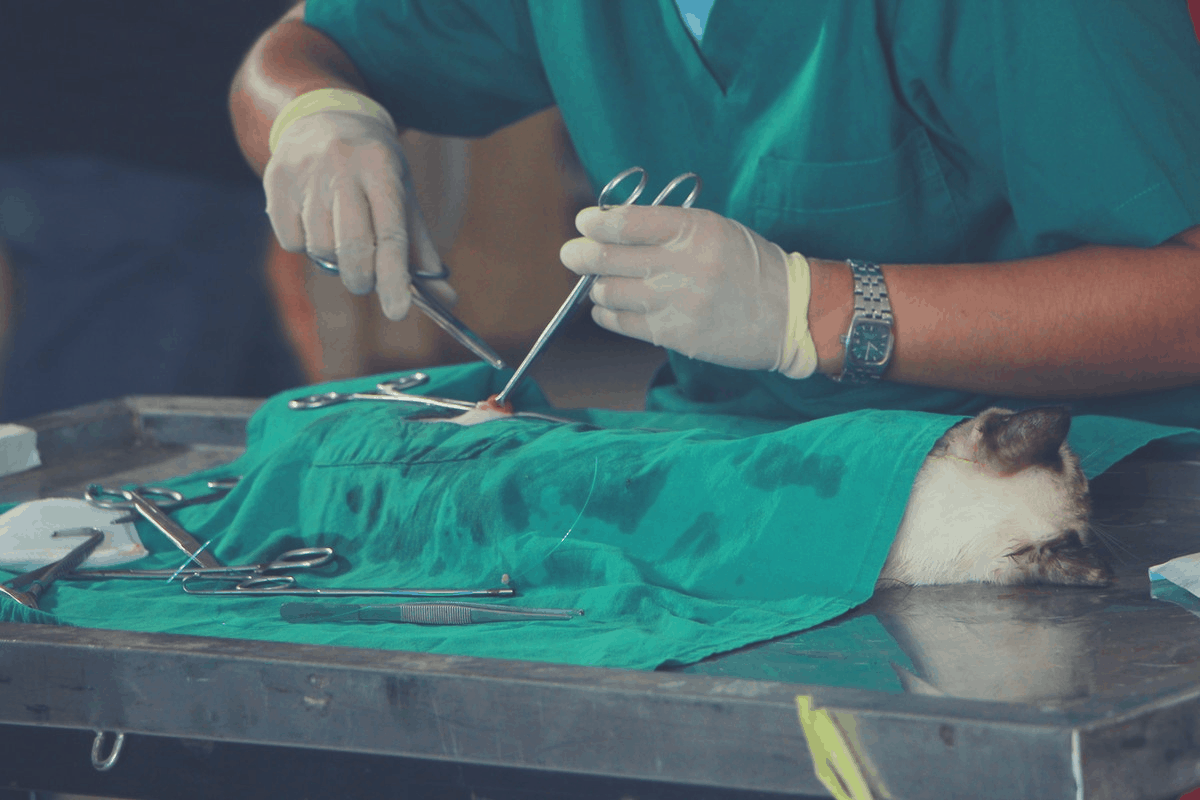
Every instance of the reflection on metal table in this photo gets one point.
(967, 691)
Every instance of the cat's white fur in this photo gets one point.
(962, 519)
(1000, 499)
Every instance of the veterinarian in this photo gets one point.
(1019, 178)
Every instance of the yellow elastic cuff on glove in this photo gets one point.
(326, 100)
(799, 358)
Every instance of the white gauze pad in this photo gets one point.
(27, 540)
(18, 448)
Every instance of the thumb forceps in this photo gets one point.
(585, 283)
(285, 585)
(433, 308)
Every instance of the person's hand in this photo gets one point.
(338, 188)
(698, 283)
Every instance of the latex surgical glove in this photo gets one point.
(338, 187)
(698, 283)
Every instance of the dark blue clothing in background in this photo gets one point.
(134, 282)
(143, 82)
(134, 228)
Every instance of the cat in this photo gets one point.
(1000, 498)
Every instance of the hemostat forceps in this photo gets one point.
(139, 500)
(220, 487)
(285, 585)
(388, 391)
(433, 308)
(585, 283)
(39, 580)
(300, 558)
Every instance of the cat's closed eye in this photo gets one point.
(1000, 499)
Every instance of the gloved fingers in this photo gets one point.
(430, 262)
(319, 238)
(393, 245)
(628, 294)
(588, 257)
(354, 237)
(282, 210)
(626, 323)
(661, 225)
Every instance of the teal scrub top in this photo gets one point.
(915, 132)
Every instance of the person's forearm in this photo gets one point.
(291, 58)
(1091, 321)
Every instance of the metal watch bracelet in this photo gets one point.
(869, 341)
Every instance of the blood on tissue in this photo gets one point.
(491, 405)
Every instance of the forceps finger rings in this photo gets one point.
(584, 285)
(387, 390)
(100, 497)
(392, 391)
(220, 487)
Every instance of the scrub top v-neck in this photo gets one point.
(918, 132)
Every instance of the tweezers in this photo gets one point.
(285, 585)
(421, 613)
(437, 312)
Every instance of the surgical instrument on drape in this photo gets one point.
(299, 558)
(285, 585)
(390, 391)
(421, 613)
(139, 500)
(220, 487)
(426, 302)
(52, 572)
(585, 283)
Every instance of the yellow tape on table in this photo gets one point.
(834, 758)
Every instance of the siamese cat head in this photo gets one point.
(1001, 498)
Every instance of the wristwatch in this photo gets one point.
(869, 342)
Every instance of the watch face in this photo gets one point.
(870, 342)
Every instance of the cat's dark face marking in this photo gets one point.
(1012, 442)
(1000, 499)
(1065, 560)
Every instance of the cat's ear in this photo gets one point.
(1033, 437)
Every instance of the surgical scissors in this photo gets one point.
(300, 558)
(433, 308)
(285, 585)
(585, 283)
